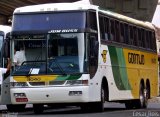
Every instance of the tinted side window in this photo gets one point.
(117, 31)
(135, 34)
(140, 38)
(112, 27)
(122, 32)
(153, 40)
(92, 20)
(106, 28)
(101, 25)
(126, 34)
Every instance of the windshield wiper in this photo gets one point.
(29, 73)
(57, 64)
(32, 66)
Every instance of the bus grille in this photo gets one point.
(51, 83)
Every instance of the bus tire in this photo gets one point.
(95, 106)
(141, 102)
(85, 107)
(99, 106)
(38, 108)
(16, 108)
(129, 104)
(146, 95)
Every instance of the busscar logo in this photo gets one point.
(104, 56)
(63, 31)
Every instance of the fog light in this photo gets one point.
(75, 93)
(20, 97)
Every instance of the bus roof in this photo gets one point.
(5, 29)
(56, 7)
(80, 5)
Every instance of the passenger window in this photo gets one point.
(126, 34)
(121, 33)
(112, 26)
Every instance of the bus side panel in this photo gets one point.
(129, 67)
(141, 65)
(113, 67)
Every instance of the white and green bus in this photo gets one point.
(4, 54)
(82, 55)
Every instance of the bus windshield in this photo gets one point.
(50, 54)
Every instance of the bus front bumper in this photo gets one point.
(47, 95)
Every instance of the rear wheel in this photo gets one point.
(142, 102)
(143, 99)
(147, 96)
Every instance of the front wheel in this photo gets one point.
(38, 108)
(99, 106)
(16, 108)
(95, 106)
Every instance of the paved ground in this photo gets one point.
(111, 110)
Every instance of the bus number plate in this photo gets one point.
(33, 79)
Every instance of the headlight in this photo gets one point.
(19, 84)
(77, 82)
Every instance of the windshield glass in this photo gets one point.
(29, 54)
(52, 54)
(49, 21)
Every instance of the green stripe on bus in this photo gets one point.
(119, 68)
(68, 77)
(122, 68)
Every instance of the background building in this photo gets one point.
(138, 9)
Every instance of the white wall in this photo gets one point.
(156, 22)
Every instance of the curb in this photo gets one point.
(155, 100)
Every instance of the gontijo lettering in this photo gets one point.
(134, 58)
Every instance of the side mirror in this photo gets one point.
(6, 52)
